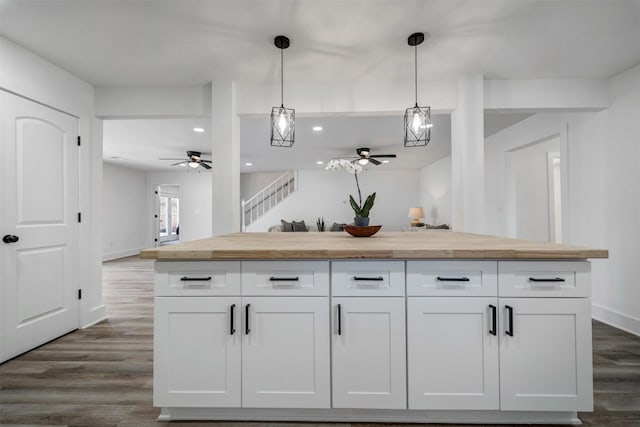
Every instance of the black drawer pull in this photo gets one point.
(246, 319)
(284, 279)
(494, 319)
(509, 330)
(554, 279)
(232, 326)
(452, 279)
(339, 320)
(195, 279)
(369, 279)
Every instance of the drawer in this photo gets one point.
(295, 278)
(197, 278)
(452, 278)
(367, 278)
(564, 279)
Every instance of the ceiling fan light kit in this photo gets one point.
(417, 120)
(283, 119)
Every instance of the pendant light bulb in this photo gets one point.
(284, 123)
(416, 123)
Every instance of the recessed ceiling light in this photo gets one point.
(385, 161)
(319, 162)
(248, 164)
(199, 130)
(317, 128)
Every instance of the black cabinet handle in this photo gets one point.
(284, 279)
(246, 319)
(339, 320)
(554, 279)
(9, 238)
(373, 279)
(232, 326)
(452, 279)
(195, 279)
(509, 330)
(494, 319)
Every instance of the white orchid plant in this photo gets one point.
(361, 209)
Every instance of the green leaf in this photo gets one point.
(354, 205)
(368, 204)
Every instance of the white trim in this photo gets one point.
(121, 254)
(99, 313)
(369, 415)
(616, 319)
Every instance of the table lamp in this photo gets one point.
(415, 214)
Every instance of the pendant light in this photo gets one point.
(417, 120)
(283, 120)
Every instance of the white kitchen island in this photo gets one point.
(397, 327)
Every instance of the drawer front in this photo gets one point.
(565, 279)
(452, 278)
(197, 278)
(367, 278)
(295, 278)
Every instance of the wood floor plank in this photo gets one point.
(102, 375)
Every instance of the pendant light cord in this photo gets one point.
(282, 78)
(415, 62)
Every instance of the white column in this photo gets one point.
(467, 156)
(225, 154)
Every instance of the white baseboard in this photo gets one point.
(120, 254)
(616, 319)
(93, 316)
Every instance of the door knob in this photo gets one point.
(10, 239)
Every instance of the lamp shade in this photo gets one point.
(416, 213)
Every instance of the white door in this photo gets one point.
(39, 208)
(285, 352)
(369, 353)
(197, 352)
(545, 354)
(452, 347)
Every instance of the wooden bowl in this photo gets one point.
(362, 230)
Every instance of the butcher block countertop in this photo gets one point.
(383, 245)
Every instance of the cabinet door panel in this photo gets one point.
(369, 356)
(546, 364)
(196, 358)
(285, 355)
(453, 358)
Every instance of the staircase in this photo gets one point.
(268, 198)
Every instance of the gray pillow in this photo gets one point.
(337, 227)
(286, 226)
(299, 226)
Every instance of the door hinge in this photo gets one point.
(78, 140)
(79, 217)
(79, 293)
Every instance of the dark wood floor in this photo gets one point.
(102, 375)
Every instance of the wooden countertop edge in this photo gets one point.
(255, 254)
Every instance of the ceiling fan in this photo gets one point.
(365, 156)
(194, 160)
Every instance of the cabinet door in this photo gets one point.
(369, 353)
(545, 360)
(285, 352)
(197, 352)
(452, 353)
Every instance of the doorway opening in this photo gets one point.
(168, 214)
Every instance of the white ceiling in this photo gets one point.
(180, 42)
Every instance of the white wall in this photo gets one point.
(195, 203)
(30, 76)
(124, 202)
(435, 192)
(603, 199)
(251, 183)
(326, 194)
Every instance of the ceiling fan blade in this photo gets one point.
(208, 161)
(184, 162)
(392, 156)
(204, 165)
(374, 161)
(167, 158)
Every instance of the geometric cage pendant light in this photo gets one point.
(417, 120)
(283, 120)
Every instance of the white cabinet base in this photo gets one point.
(369, 415)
